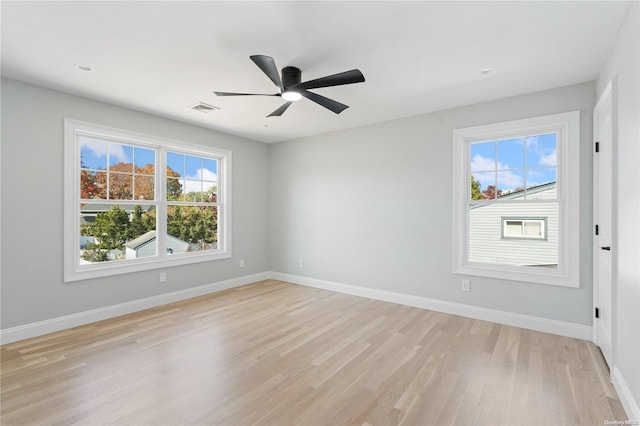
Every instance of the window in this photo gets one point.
(516, 200)
(136, 202)
(530, 229)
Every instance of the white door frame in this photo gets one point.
(604, 102)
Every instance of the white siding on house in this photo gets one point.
(148, 248)
(486, 244)
(548, 194)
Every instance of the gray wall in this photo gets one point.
(32, 207)
(372, 207)
(623, 67)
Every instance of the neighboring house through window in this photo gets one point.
(136, 202)
(517, 200)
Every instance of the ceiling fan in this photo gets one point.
(291, 89)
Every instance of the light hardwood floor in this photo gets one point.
(273, 353)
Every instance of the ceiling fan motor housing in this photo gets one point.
(291, 77)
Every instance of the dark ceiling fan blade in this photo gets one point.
(279, 111)
(268, 66)
(245, 94)
(347, 77)
(334, 106)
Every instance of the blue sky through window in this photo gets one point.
(509, 163)
(142, 157)
(197, 174)
(120, 154)
(95, 153)
(189, 167)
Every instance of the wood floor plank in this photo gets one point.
(273, 353)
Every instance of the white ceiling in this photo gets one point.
(417, 57)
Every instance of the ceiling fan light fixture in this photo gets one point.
(291, 88)
(291, 95)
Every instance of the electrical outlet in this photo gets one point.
(300, 263)
(241, 263)
(466, 285)
(163, 277)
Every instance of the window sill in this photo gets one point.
(533, 275)
(138, 265)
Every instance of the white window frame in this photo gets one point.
(567, 128)
(73, 270)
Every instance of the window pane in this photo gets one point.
(210, 169)
(120, 157)
(541, 151)
(144, 187)
(110, 232)
(487, 184)
(532, 229)
(175, 164)
(93, 184)
(120, 186)
(192, 190)
(483, 156)
(511, 154)
(174, 190)
(510, 182)
(193, 167)
(144, 160)
(210, 190)
(191, 229)
(513, 228)
(199, 178)
(93, 153)
(511, 241)
(541, 184)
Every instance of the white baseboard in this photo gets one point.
(40, 328)
(560, 328)
(625, 395)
